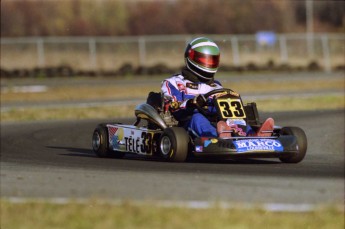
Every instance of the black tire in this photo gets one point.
(301, 142)
(173, 144)
(100, 143)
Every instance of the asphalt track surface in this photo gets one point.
(55, 160)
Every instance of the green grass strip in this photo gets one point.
(127, 215)
(106, 112)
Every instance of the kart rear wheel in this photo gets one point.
(173, 144)
(301, 143)
(100, 143)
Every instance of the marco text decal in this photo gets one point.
(258, 145)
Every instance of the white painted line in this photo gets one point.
(25, 89)
(270, 207)
(276, 207)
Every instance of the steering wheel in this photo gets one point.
(204, 110)
(216, 91)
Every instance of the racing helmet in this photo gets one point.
(202, 57)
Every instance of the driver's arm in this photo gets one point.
(171, 92)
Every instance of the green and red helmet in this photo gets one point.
(202, 57)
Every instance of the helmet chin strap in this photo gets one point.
(206, 80)
(197, 73)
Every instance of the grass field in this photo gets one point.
(67, 93)
(127, 215)
(114, 91)
(107, 112)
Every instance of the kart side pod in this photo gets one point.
(147, 112)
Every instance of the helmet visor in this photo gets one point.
(206, 60)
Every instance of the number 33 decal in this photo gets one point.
(231, 108)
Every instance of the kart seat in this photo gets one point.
(252, 114)
(156, 100)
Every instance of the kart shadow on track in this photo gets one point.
(84, 152)
(78, 152)
(232, 161)
(203, 160)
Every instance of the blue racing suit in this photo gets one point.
(181, 90)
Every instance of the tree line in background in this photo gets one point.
(114, 18)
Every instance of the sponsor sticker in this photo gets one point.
(134, 140)
(181, 87)
(258, 145)
(236, 121)
(193, 86)
(214, 140)
(234, 94)
(209, 141)
(198, 148)
(116, 136)
(115, 142)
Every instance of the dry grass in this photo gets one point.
(79, 93)
(301, 104)
(105, 112)
(114, 91)
(288, 86)
(127, 215)
(32, 114)
(133, 91)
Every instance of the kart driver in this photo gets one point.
(185, 90)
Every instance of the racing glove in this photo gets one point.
(199, 100)
(174, 105)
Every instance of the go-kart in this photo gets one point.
(163, 137)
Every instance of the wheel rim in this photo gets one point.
(96, 141)
(165, 145)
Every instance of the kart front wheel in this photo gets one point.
(173, 144)
(100, 143)
(301, 144)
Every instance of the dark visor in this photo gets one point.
(206, 60)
